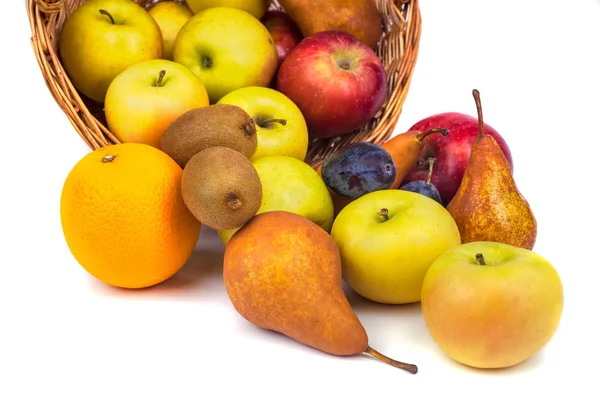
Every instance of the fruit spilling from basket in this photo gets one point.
(214, 103)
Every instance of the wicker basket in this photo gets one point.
(398, 51)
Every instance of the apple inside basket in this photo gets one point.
(347, 78)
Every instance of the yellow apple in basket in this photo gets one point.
(170, 17)
(228, 49)
(280, 126)
(147, 97)
(255, 7)
(101, 38)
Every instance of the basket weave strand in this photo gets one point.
(397, 49)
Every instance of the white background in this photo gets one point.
(64, 335)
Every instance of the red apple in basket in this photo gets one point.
(337, 81)
(284, 31)
(451, 152)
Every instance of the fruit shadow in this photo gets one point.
(200, 277)
(406, 320)
(379, 319)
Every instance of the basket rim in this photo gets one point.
(402, 35)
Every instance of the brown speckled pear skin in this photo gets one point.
(282, 272)
(488, 206)
(358, 17)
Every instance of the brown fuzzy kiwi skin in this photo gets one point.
(223, 125)
(221, 188)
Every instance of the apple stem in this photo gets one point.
(104, 12)
(479, 112)
(480, 259)
(431, 161)
(108, 158)
(412, 368)
(384, 213)
(423, 135)
(268, 121)
(161, 76)
(233, 201)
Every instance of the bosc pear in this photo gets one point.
(283, 273)
(488, 206)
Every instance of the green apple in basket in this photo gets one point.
(227, 49)
(101, 38)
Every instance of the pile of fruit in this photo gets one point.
(214, 103)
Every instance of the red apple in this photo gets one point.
(451, 152)
(284, 31)
(336, 80)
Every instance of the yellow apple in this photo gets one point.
(255, 7)
(101, 38)
(289, 184)
(280, 126)
(147, 97)
(387, 241)
(170, 17)
(491, 305)
(227, 49)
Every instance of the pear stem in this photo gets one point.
(108, 158)
(421, 136)
(480, 259)
(384, 213)
(431, 161)
(161, 76)
(479, 112)
(412, 368)
(104, 12)
(265, 122)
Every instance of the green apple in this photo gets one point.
(289, 184)
(387, 241)
(255, 7)
(228, 49)
(142, 101)
(170, 17)
(491, 305)
(280, 126)
(101, 38)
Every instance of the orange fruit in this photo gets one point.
(123, 216)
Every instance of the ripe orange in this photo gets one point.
(123, 216)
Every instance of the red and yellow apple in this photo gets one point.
(284, 31)
(101, 38)
(147, 97)
(336, 80)
(491, 305)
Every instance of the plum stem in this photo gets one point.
(480, 259)
(384, 213)
(108, 158)
(265, 122)
(479, 112)
(161, 76)
(421, 136)
(104, 12)
(412, 368)
(431, 161)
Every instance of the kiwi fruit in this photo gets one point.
(221, 188)
(223, 125)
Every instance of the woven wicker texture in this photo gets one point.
(397, 49)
